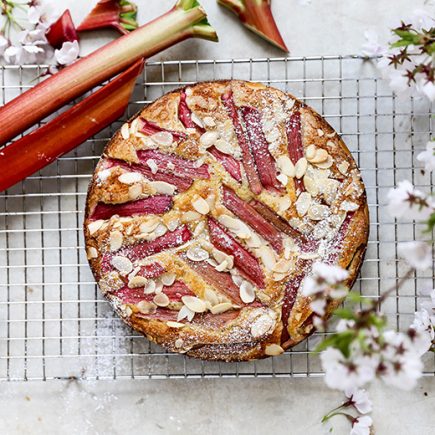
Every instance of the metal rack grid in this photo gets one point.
(54, 324)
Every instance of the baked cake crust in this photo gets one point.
(184, 249)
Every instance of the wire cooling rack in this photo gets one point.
(54, 324)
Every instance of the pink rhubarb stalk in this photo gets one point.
(177, 290)
(185, 114)
(222, 281)
(61, 31)
(41, 147)
(149, 128)
(209, 320)
(162, 314)
(152, 270)
(260, 149)
(249, 215)
(294, 141)
(243, 259)
(257, 16)
(153, 205)
(117, 14)
(248, 160)
(182, 184)
(230, 164)
(185, 20)
(173, 164)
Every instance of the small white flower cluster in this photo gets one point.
(428, 157)
(31, 45)
(397, 73)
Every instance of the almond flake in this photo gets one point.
(273, 350)
(222, 266)
(115, 240)
(318, 212)
(197, 254)
(262, 325)
(125, 131)
(329, 189)
(283, 266)
(92, 253)
(279, 276)
(223, 146)
(247, 292)
(160, 230)
(283, 179)
(146, 307)
(221, 308)
(320, 156)
(222, 256)
(194, 304)
(149, 225)
(163, 188)
(284, 203)
(197, 120)
(161, 300)
(94, 226)
(134, 191)
(168, 278)
(267, 256)
(286, 166)
(150, 287)
(188, 92)
(303, 203)
(152, 165)
(326, 164)
(310, 152)
(209, 121)
(320, 132)
(301, 167)
(208, 139)
(173, 224)
(163, 138)
(311, 186)
(122, 264)
(349, 206)
(201, 205)
(137, 282)
(176, 325)
(190, 216)
(185, 313)
(308, 255)
(211, 297)
(130, 178)
(343, 167)
(255, 241)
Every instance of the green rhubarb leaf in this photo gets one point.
(187, 4)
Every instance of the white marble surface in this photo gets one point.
(233, 406)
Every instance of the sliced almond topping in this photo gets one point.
(254, 241)
(310, 152)
(210, 296)
(163, 138)
(273, 350)
(320, 132)
(267, 256)
(135, 191)
(303, 203)
(279, 276)
(92, 253)
(343, 167)
(130, 178)
(125, 131)
(150, 287)
(318, 212)
(188, 92)
(149, 225)
(185, 313)
(152, 165)
(326, 164)
(283, 266)
(122, 264)
(161, 300)
(173, 224)
(309, 255)
(222, 266)
(176, 325)
(320, 156)
(223, 146)
(301, 167)
(94, 226)
(163, 188)
(209, 121)
(168, 278)
(146, 307)
(286, 166)
(329, 189)
(194, 304)
(283, 179)
(190, 216)
(201, 205)
(115, 240)
(284, 203)
(160, 230)
(221, 257)
(137, 282)
(247, 292)
(262, 325)
(197, 120)
(208, 139)
(311, 186)
(221, 308)
(349, 206)
(196, 253)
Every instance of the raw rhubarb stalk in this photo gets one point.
(185, 20)
(118, 14)
(294, 140)
(173, 164)
(243, 259)
(291, 290)
(260, 148)
(248, 160)
(230, 164)
(257, 16)
(182, 184)
(153, 205)
(277, 221)
(149, 128)
(249, 215)
(222, 281)
(41, 147)
(61, 31)
(185, 114)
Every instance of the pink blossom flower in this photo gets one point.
(361, 425)
(359, 399)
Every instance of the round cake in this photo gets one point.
(209, 208)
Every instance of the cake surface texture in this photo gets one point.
(209, 208)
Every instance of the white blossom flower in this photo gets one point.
(417, 254)
(428, 157)
(68, 53)
(372, 47)
(426, 88)
(34, 36)
(422, 20)
(43, 14)
(4, 43)
(405, 200)
(359, 398)
(361, 425)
